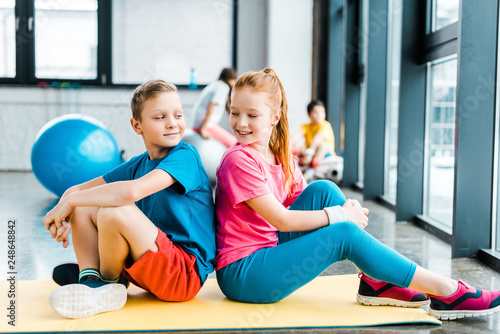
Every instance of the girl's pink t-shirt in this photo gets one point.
(244, 174)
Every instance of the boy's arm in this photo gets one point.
(83, 186)
(62, 233)
(109, 195)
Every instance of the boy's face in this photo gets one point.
(162, 124)
(317, 115)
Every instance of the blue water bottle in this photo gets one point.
(193, 82)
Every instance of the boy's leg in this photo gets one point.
(320, 153)
(84, 235)
(123, 231)
(319, 149)
(158, 265)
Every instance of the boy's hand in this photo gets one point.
(62, 234)
(55, 221)
(355, 213)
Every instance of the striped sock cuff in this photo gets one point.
(110, 280)
(89, 272)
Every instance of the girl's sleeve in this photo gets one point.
(221, 94)
(242, 177)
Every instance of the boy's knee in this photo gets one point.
(82, 213)
(111, 215)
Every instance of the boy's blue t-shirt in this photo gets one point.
(185, 210)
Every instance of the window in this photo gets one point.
(126, 42)
(66, 39)
(444, 12)
(363, 94)
(168, 38)
(440, 143)
(393, 75)
(7, 39)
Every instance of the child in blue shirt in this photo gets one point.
(150, 219)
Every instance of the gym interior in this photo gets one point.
(409, 87)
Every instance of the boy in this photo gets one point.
(318, 136)
(165, 242)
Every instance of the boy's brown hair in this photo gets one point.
(146, 91)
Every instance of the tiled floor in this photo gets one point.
(22, 198)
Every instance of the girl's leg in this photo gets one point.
(220, 134)
(123, 231)
(321, 194)
(433, 284)
(316, 196)
(292, 264)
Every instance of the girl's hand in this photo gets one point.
(205, 133)
(355, 213)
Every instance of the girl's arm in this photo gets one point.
(109, 195)
(294, 220)
(210, 109)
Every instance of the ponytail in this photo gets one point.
(279, 143)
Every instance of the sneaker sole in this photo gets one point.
(380, 301)
(79, 301)
(454, 315)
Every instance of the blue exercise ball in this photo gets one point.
(72, 149)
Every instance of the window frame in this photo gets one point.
(24, 12)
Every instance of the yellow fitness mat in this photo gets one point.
(328, 301)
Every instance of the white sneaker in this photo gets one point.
(80, 301)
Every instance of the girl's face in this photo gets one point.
(252, 119)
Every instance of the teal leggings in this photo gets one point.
(271, 274)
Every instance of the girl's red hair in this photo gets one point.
(268, 82)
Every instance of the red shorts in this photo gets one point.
(170, 273)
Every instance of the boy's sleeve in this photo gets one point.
(242, 177)
(122, 172)
(185, 166)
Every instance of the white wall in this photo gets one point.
(23, 111)
(290, 53)
(271, 33)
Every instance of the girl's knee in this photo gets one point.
(330, 189)
(346, 229)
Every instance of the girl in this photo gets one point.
(209, 108)
(263, 254)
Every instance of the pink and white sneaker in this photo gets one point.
(467, 302)
(378, 293)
